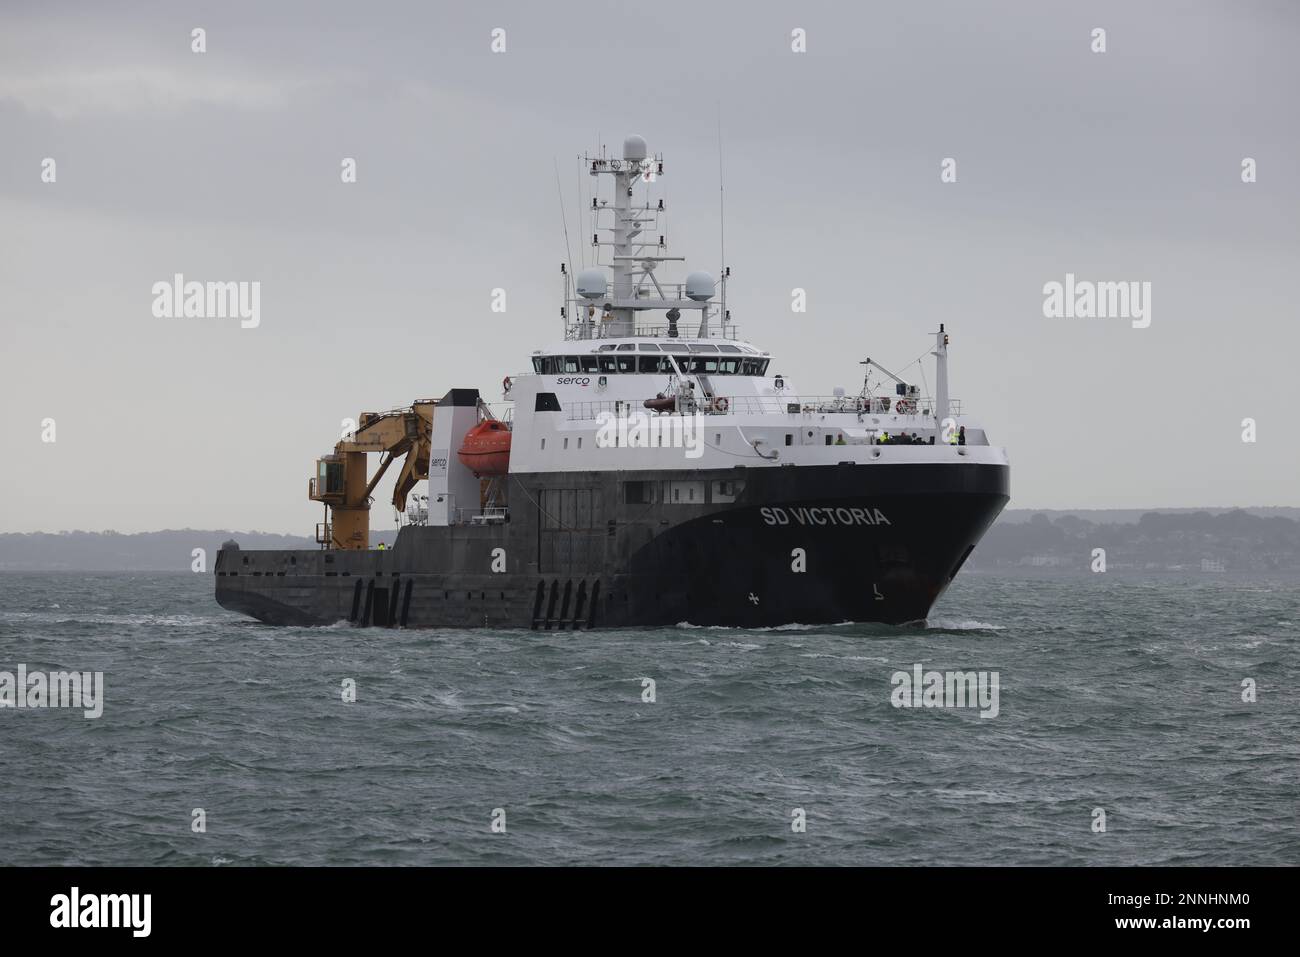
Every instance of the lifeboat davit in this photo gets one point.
(486, 449)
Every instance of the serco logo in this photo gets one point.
(573, 380)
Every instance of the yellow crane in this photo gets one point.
(340, 481)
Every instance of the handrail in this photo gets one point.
(686, 328)
(492, 515)
(772, 405)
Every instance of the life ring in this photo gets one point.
(506, 384)
(721, 404)
(905, 407)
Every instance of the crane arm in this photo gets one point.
(872, 362)
(341, 482)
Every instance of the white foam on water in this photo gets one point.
(112, 619)
(450, 699)
(792, 626)
(946, 624)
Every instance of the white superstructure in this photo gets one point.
(627, 339)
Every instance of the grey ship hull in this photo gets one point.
(809, 544)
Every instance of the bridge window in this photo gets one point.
(707, 365)
(650, 364)
(656, 364)
(554, 365)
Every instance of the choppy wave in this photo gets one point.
(951, 624)
(676, 745)
(793, 626)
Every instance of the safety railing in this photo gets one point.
(493, 515)
(688, 327)
(797, 405)
(771, 405)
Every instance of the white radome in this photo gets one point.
(591, 283)
(700, 286)
(634, 149)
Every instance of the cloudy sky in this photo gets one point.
(225, 165)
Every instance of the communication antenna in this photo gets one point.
(564, 219)
(568, 252)
(722, 227)
(582, 200)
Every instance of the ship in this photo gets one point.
(649, 467)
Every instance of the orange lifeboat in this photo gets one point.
(486, 449)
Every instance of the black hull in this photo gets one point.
(805, 544)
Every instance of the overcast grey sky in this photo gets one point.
(225, 166)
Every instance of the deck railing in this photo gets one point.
(783, 405)
(492, 515)
(686, 328)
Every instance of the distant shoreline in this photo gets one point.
(1258, 541)
(1110, 516)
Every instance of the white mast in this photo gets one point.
(941, 381)
(625, 230)
(632, 287)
